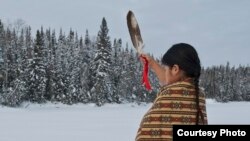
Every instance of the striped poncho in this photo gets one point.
(174, 104)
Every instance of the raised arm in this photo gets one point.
(157, 68)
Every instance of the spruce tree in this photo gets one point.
(116, 72)
(100, 67)
(1, 59)
(84, 61)
(59, 78)
(36, 71)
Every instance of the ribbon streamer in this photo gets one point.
(145, 80)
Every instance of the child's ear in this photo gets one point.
(175, 69)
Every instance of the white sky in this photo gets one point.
(220, 30)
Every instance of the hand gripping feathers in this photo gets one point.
(137, 41)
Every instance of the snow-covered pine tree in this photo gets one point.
(88, 52)
(228, 83)
(54, 47)
(59, 77)
(69, 66)
(48, 64)
(116, 71)
(240, 83)
(8, 65)
(28, 53)
(234, 82)
(84, 61)
(207, 81)
(213, 79)
(129, 77)
(247, 84)
(1, 60)
(134, 72)
(29, 44)
(15, 54)
(74, 81)
(36, 71)
(220, 89)
(8, 58)
(100, 67)
(1, 49)
(22, 50)
(223, 83)
(18, 86)
(53, 88)
(15, 89)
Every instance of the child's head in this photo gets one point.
(181, 61)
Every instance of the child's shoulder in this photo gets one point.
(176, 86)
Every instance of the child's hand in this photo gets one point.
(150, 60)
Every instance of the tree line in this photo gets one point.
(71, 69)
(225, 83)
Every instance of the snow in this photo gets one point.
(111, 122)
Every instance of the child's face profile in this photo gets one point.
(172, 74)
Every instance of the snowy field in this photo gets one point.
(57, 122)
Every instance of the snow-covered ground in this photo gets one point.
(58, 122)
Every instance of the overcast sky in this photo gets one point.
(218, 29)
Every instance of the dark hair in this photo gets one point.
(186, 57)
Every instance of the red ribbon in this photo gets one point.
(145, 80)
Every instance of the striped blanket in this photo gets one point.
(174, 104)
